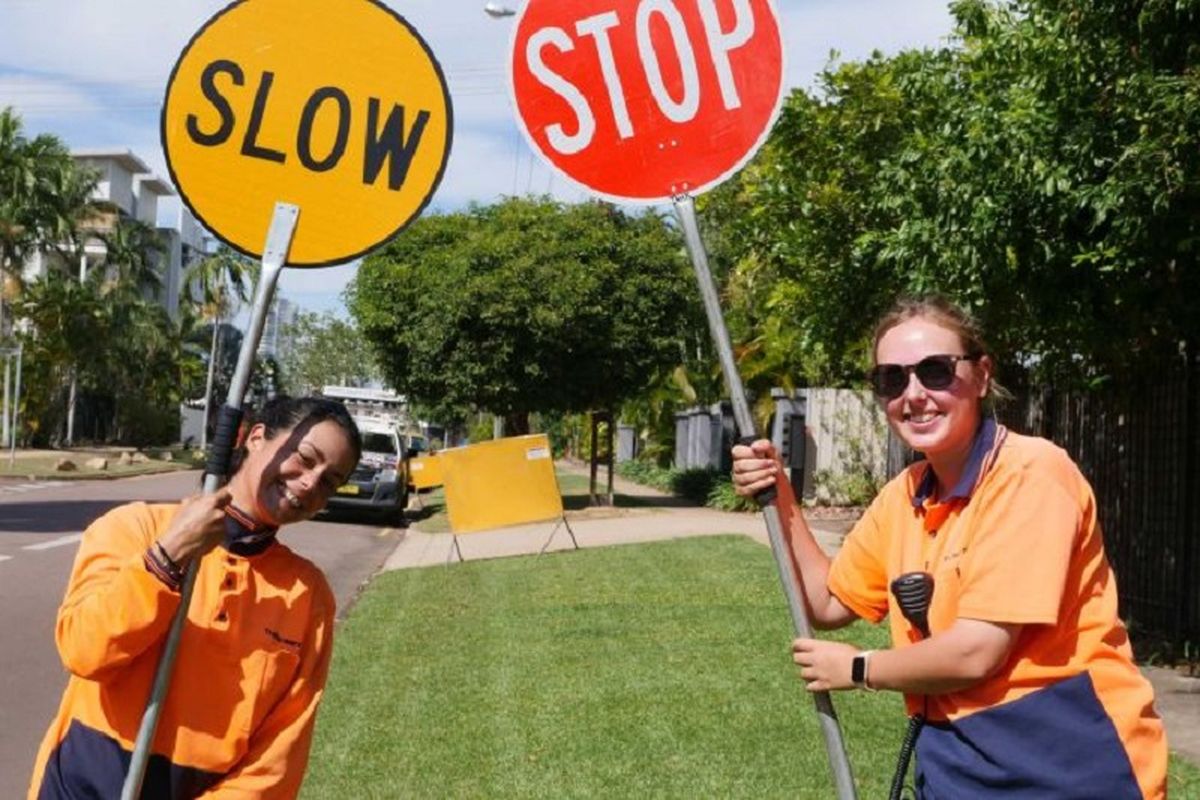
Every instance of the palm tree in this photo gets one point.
(43, 195)
(132, 249)
(214, 285)
(67, 330)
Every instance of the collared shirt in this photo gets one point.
(1015, 541)
(250, 672)
(245, 535)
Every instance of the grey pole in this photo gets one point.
(279, 239)
(835, 748)
(16, 409)
(4, 415)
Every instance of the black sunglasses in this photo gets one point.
(889, 381)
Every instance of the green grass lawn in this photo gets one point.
(656, 670)
(40, 465)
(650, 670)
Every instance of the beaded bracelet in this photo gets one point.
(163, 567)
(170, 562)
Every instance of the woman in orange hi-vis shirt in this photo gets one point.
(1020, 665)
(252, 661)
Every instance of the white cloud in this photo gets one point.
(45, 98)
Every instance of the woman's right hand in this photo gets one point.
(198, 526)
(755, 467)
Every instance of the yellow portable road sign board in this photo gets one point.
(502, 482)
(336, 106)
(425, 472)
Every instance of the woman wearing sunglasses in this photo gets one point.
(1026, 678)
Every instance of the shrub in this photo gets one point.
(723, 498)
(647, 473)
(702, 486)
(694, 484)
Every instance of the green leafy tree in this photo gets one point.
(525, 306)
(43, 195)
(67, 330)
(121, 350)
(1043, 170)
(132, 259)
(267, 377)
(324, 349)
(140, 375)
(214, 286)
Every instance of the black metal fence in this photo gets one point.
(1140, 449)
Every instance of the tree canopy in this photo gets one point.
(1043, 169)
(324, 349)
(528, 305)
(43, 194)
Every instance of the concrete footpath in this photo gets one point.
(659, 516)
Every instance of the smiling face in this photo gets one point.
(290, 477)
(940, 423)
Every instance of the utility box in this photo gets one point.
(627, 442)
(704, 437)
(789, 435)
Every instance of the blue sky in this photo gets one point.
(93, 73)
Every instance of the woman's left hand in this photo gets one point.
(825, 666)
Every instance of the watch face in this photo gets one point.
(858, 669)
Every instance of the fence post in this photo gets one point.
(1189, 608)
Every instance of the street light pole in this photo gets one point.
(16, 408)
(12, 401)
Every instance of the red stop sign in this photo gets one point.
(642, 100)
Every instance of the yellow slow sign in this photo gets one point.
(336, 106)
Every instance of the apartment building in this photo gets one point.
(128, 189)
(275, 341)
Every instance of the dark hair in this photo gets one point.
(284, 413)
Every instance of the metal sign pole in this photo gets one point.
(835, 748)
(4, 415)
(279, 239)
(16, 409)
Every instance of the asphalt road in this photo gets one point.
(40, 527)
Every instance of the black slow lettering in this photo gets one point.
(390, 145)
(208, 86)
(250, 145)
(304, 133)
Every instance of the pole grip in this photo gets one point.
(279, 238)
(229, 422)
(764, 497)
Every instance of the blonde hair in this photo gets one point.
(945, 314)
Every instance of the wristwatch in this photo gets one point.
(860, 670)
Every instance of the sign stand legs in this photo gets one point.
(835, 748)
(454, 550)
(279, 239)
(562, 521)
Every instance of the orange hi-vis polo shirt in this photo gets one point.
(250, 671)
(1016, 541)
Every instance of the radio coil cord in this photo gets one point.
(913, 592)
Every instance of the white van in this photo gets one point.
(379, 484)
